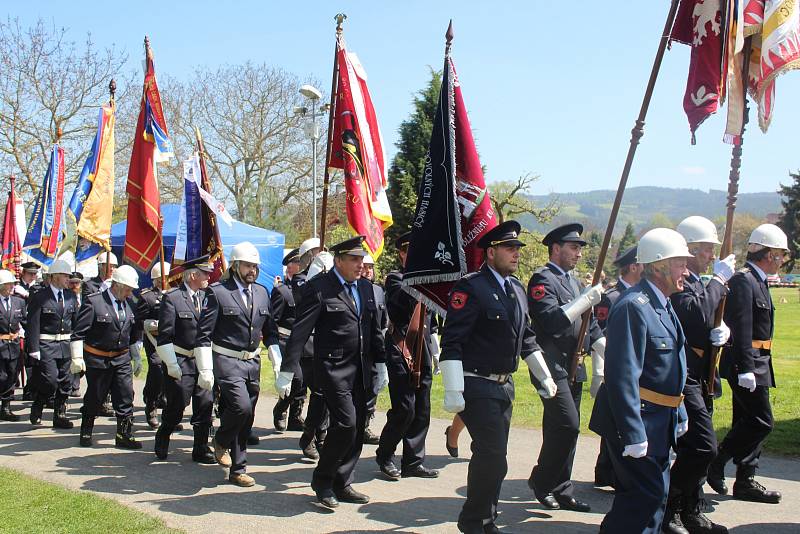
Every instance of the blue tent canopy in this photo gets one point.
(269, 243)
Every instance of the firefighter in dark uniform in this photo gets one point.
(630, 273)
(26, 287)
(52, 316)
(13, 314)
(76, 286)
(487, 328)
(340, 308)
(288, 412)
(147, 305)
(177, 332)
(410, 415)
(368, 273)
(747, 365)
(696, 307)
(556, 303)
(102, 347)
(235, 320)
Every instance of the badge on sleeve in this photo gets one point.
(458, 300)
(537, 292)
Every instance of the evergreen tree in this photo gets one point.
(790, 218)
(628, 239)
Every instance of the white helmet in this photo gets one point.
(127, 276)
(155, 272)
(7, 277)
(769, 236)
(245, 251)
(661, 244)
(309, 244)
(322, 263)
(696, 229)
(60, 267)
(101, 258)
(368, 260)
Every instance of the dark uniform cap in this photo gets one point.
(75, 276)
(30, 266)
(568, 232)
(403, 240)
(506, 233)
(350, 246)
(626, 258)
(201, 264)
(293, 255)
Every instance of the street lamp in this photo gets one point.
(313, 94)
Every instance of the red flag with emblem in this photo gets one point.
(12, 246)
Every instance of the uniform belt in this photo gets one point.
(238, 354)
(765, 344)
(104, 353)
(499, 378)
(55, 337)
(183, 352)
(284, 331)
(700, 352)
(671, 401)
(11, 337)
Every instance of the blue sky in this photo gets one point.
(552, 88)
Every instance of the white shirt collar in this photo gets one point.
(761, 274)
(113, 298)
(55, 292)
(500, 279)
(623, 283)
(240, 285)
(559, 269)
(662, 298)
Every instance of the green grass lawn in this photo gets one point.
(29, 505)
(785, 399)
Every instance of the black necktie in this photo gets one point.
(673, 317)
(512, 298)
(196, 300)
(120, 312)
(350, 291)
(60, 301)
(248, 302)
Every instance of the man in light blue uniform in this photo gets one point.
(639, 408)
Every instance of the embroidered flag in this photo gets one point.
(11, 242)
(43, 236)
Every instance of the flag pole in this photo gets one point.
(112, 89)
(636, 134)
(340, 18)
(206, 184)
(733, 190)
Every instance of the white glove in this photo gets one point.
(436, 351)
(539, 369)
(21, 291)
(637, 450)
(720, 335)
(590, 296)
(205, 367)
(275, 356)
(35, 355)
(383, 376)
(683, 427)
(151, 325)
(724, 268)
(598, 365)
(322, 263)
(283, 384)
(170, 359)
(76, 353)
(136, 357)
(747, 381)
(453, 381)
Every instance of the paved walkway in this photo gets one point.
(198, 498)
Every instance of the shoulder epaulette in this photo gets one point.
(641, 298)
(745, 269)
(471, 275)
(215, 284)
(540, 270)
(170, 290)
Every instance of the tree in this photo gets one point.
(790, 217)
(510, 199)
(628, 239)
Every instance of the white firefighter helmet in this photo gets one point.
(309, 244)
(155, 272)
(245, 251)
(7, 277)
(112, 258)
(322, 263)
(60, 267)
(696, 229)
(127, 276)
(769, 236)
(661, 244)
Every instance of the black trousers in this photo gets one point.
(154, 382)
(179, 393)
(752, 423)
(698, 446)
(342, 448)
(603, 468)
(372, 394)
(560, 428)
(8, 377)
(488, 421)
(640, 495)
(317, 413)
(238, 399)
(52, 377)
(118, 380)
(408, 419)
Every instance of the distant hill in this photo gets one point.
(641, 205)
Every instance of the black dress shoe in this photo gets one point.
(546, 500)
(280, 418)
(751, 490)
(473, 527)
(568, 502)
(296, 424)
(252, 440)
(452, 451)
(420, 471)
(491, 528)
(348, 494)
(388, 468)
(370, 438)
(327, 499)
(716, 474)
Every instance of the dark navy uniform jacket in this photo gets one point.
(345, 344)
(399, 309)
(608, 299)
(11, 320)
(548, 290)
(486, 330)
(100, 327)
(92, 285)
(45, 316)
(645, 348)
(283, 308)
(750, 314)
(177, 323)
(147, 305)
(695, 307)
